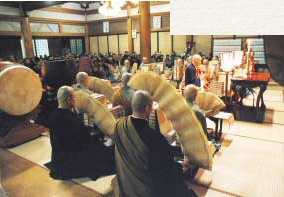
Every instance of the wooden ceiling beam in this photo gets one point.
(13, 4)
(64, 10)
(35, 5)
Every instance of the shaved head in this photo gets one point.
(82, 78)
(125, 78)
(190, 92)
(127, 63)
(63, 97)
(140, 100)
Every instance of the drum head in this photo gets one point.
(5, 64)
(21, 90)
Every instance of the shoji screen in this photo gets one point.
(94, 44)
(179, 43)
(103, 44)
(123, 43)
(137, 43)
(113, 43)
(165, 42)
(154, 42)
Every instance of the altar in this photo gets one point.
(257, 79)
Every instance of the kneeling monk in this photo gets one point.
(144, 159)
(75, 153)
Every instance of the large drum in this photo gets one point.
(20, 89)
(58, 73)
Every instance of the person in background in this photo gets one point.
(144, 159)
(188, 48)
(28, 63)
(173, 58)
(98, 71)
(192, 71)
(85, 64)
(204, 74)
(123, 96)
(182, 83)
(13, 59)
(126, 68)
(144, 61)
(115, 75)
(125, 56)
(168, 61)
(215, 67)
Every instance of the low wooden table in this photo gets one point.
(252, 81)
(218, 120)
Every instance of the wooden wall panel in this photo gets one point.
(165, 43)
(154, 43)
(113, 43)
(123, 43)
(103, 45)
(94, 44)
(203, 44)
(96, 28)
(136, 25)
(55, 46)
(10, 46)
(165, 21)
(179, 43)
(118, 26)
(223, 36)
(137, 44)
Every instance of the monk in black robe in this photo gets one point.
(75, 153)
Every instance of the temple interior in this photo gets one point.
(239, 80)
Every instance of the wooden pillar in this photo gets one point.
(87, 39)
(145, 30)
(129, 29)
(27, 37)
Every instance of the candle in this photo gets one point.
(248, 54)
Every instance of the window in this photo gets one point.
(41, 47)
(226, 45)
(23, 48)
(237, 44)
(76, 46)
(258, 49)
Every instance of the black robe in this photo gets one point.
(74, 153)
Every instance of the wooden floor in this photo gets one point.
(23, 178)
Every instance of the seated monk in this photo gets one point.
(82, 82)
(144, 159)
(75, 153)
(123, 96)
(190, 94)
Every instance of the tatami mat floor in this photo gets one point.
(39, 152)
(250, 162)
